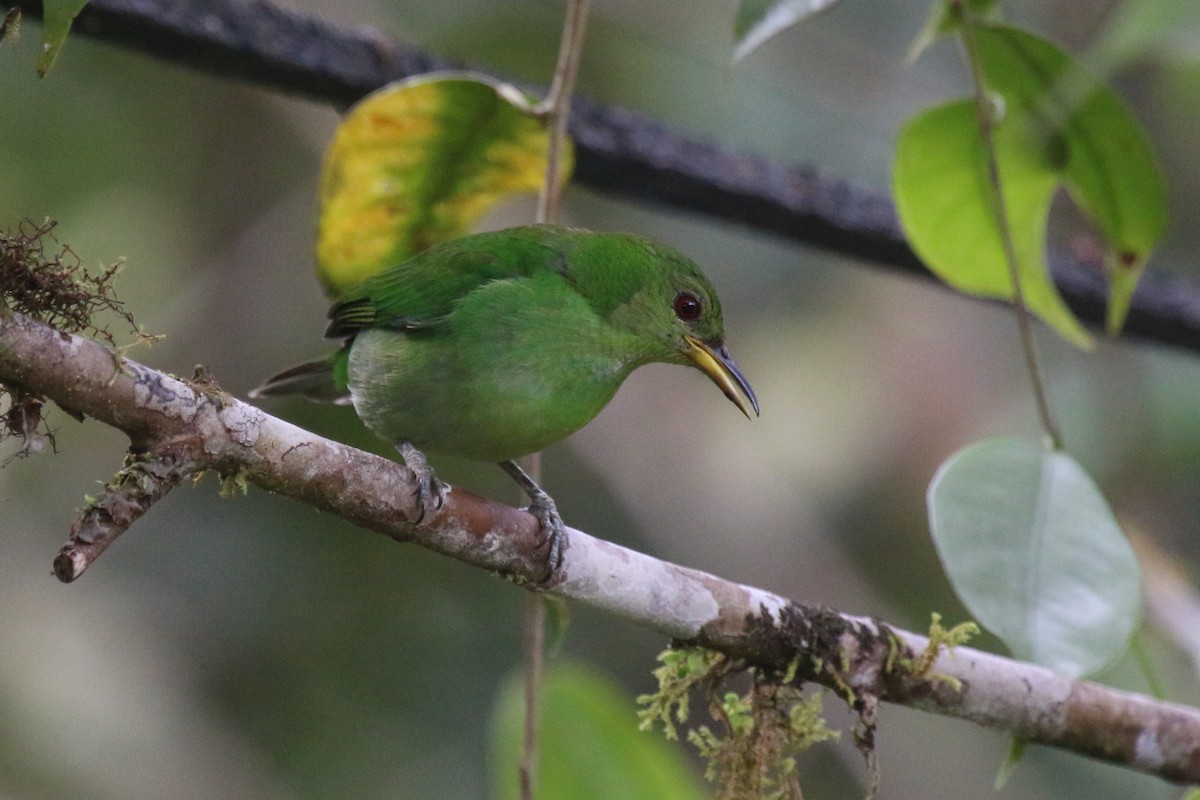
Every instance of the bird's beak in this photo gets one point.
(717, 364)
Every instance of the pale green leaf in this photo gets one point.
(1107, 164)
(1035, 554)
(590, 745)
(1056, 126)
(943, 194)
(419, 162)
(57, 16)
(759, 20)
(1124, 273)
(558, 623)
(1016, 752)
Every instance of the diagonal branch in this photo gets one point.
(200, 427)
(196, 427)
(617, 151)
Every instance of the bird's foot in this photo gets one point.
(543, 507)
(431, 491)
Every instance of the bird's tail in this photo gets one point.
(323, 381)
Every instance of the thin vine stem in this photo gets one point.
(555, 110)
(987, 122)
(556, 107)
(533, 625)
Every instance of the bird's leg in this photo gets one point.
(431, 492)
(542, 506)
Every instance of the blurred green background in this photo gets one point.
(252, 648)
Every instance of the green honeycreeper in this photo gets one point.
(497, 344)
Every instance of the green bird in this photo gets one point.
(495, 345)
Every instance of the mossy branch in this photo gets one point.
(208, 429)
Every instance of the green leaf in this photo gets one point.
(418, 162)
(1057, 126)
(558, 623)
(1012, 759)
(590, 745)
(940, 183)
(759, 20)
(1035, 554)
(57, 16)
(1108, 167)
(945, 17)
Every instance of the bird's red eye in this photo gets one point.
(687, 307)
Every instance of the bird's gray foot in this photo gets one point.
(542, 506)
(431, 491)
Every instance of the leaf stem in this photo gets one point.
(987, 122)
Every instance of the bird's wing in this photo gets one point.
(422, 291)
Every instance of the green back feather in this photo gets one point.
(423, 290)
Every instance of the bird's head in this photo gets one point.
(672, 308)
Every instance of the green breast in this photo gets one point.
(517, 366)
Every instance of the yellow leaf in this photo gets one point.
(418, 162)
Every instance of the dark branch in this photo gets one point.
(618, 151)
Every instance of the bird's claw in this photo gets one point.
(431, 490)
(553, 531)
(541, 505)
(431, 494)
